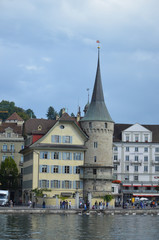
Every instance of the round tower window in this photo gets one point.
(62, 126)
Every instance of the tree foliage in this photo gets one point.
(11, 108)
(9, 174)
(51, 113)
(108, 197)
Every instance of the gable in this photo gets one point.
(136, 128)
(63, 130)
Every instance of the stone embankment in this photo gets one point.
(117, 211)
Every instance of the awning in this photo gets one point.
(146, 194)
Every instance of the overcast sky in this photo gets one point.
(48, 55)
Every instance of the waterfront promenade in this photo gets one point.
(115, 211)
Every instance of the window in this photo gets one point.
(148, 188)
(127, 149)
(55, 169)
(56, 155)
(136, 149)
(127, 157)
(94, 171)
(78, 156)
(112, 189)
(62, 126)
(44, 183)
(136, 188)
(67, 184)
(145, 168)
(115, 157)
(67, 139)
(77, 170)
(136, 138)
(95, 158)
(136, 178)
(56, 139)
(115, 167)
(156, 168)
(115, 148)
(127, 168)
(105, 125)
(146, 138)
(157, 149)
(146, 149)
(44, 155)
(22, 159)
(55, 184)
(126, 188)
(136, 158)
(22, 146)
(77, 184)
(95, 144)
(90, 124)
(136, 168)
(4, 147)
(127, 178)
(67, 156)
(67, 169)
(44, 168)
(145, 158)
(127, 138)
(4, 157)
(8, 135)
(157, 158)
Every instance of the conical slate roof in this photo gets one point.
(97, 110)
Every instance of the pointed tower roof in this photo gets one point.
(97, 110)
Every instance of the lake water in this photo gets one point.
(75, 227)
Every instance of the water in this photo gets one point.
(75, 227)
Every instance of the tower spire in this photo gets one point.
(97, 110)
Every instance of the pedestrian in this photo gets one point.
(70, 204)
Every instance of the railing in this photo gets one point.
(7, 150)
(135, 162)
(155, 162)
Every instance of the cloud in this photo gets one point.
(46, 59)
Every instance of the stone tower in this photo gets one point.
(98, 125)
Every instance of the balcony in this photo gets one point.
(155, 162)
(116, 161)
(139, 162)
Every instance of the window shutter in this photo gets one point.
(52, 168)
(81, 171)
(48, 155)
(74, 184)
(48, 168)
(63, 169)
(53, 138)
(70, 170)
(58, 184)
(81, 184)
(74, 170)
(63, 184)
(59, 155)
(74, 156)
(70, 156)
(70, 139)
(41, 155)
(59, 139)
(40, 183)
(52, 155)
(40, 168)
(59, 169)
(47, 183)
(82, 156)
(64, 156)
(63, 139)
(70, 184)
(51, 183)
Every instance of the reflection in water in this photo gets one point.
(75, 227)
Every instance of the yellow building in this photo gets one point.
(53, 155)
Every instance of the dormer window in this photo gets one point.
(39, 128)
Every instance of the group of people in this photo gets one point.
(65, 204)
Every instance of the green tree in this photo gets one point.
(30, 113)
(72, 115)
(107, 198)
(51, 113)
(9, 174)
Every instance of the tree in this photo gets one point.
(72, 115)
(9, 174)
(30, 113)
(107, 198)
(51, 113)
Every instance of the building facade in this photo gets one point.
(11, 142)
(136, 159)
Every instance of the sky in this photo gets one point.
(48, 55)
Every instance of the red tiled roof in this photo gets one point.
(16, 129)
(15, 116)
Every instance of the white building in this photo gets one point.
(136, 159)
